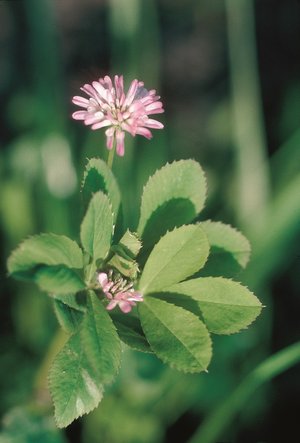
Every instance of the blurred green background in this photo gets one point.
(229, 76)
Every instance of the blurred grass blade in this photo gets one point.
(286, 160)
(275, 245)
(248, 126)
(213, 427)
(45, 62)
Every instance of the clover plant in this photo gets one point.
(165, 289)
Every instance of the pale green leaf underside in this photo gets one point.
(178, 255)
(98, 177)
(176, 336)
(100, 340)
(130, 243)
(230, 249)
(58, 279)
(226, 306)
(173, 196)
(73, 383)
(44, 249)
(97, 227)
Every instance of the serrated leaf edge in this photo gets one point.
(82, 341)
(261, 306)
(113, 224)
(237, 231)
(49, 378)
(175, 366)
(152, 177)
(43, 234)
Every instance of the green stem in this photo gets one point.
(110, 158)
(213, 427)
(91, 271)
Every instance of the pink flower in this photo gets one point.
(108, 106)
(119, 292)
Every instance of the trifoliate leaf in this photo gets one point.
(178, 255)
(173, 196)
(44, 249)
(97, 227)
(226, 306)
(100, 340)
(230, 250)
(98, 177)
(74, 384)
(176, 336)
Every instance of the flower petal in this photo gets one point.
(120, 148)
(79, 115)
(110, 134)
(131, 92)
(80, 101)
(153, 124)
(135, 296)
(102, 279)
(111, 305)
(101, 124)
(144, 132)
(125, 306)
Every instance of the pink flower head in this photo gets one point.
(108, 106)
(119, 292)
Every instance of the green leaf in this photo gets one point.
(73, 382)
(226, 306)
(230, 250)
(58, 279)
(130, 332)
(130, 244)
(173, 196)
(75, 301)
(124, 254)
(100, 340)
(97, 227)
(176, 336)
(69, 317)
(98, 177)
(44, 249)
(129, 268)
(178, 255)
